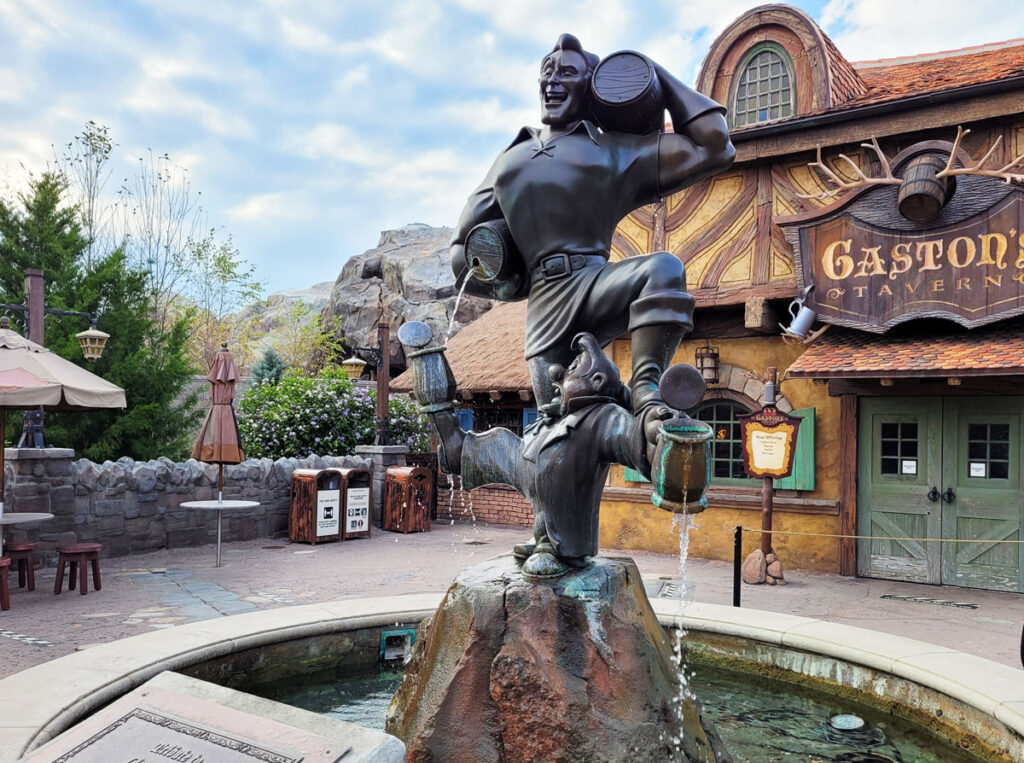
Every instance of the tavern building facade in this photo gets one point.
(908, 355)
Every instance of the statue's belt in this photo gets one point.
(556, 266)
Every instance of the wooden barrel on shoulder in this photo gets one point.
(922, 194)
(627, 94)
(491, 253)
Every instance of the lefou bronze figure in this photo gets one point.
(561, 190)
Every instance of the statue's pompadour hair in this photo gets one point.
(571, 42)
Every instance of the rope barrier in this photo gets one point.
(877, 537)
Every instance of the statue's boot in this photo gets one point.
(653, 347)
(523, 551)
(544, 562)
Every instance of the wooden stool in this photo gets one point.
(21, 555)
(78, 554)
(5, 592)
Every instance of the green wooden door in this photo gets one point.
(981, 467)
(899, 460)
(970, 451)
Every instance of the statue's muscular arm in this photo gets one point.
(481, 207)
(700, 146)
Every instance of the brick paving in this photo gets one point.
(172, 587)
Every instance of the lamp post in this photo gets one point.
(34, 309)
(380, 356)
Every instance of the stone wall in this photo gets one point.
(132, 507)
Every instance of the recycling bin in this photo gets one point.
(316, 506)
(408, 499)
(355, 492)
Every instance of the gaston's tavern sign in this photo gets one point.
(873, 268)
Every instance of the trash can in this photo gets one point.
(315, 513)
(408, 499)
(355, 490)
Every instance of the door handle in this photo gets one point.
(949, 496)
(933, 494)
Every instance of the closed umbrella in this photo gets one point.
(33, 377)
(219, 442)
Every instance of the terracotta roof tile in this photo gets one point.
(841, 354)
(488, 354)
(897, 78)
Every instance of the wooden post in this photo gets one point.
(35, 330)
(847, 483)
(767, 485)
(383, 381)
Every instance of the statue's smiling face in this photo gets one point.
(563, 88)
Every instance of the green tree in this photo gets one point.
(269, 368)
(148, 361)
(219, 284)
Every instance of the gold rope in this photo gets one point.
(876, 537)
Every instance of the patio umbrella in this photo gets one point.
(33, 377)
(219, 442)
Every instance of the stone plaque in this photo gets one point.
(176, 719)
(145, 735)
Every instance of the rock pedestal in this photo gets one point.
(574, 669)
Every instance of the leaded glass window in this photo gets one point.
(727, 446)
(764, 91)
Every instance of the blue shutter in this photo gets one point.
(466, 419)
(802, 477)
(529, 416)
(632, 475)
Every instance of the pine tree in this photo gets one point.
(269, 368)
(150, 363)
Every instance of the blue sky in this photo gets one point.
(310, 126)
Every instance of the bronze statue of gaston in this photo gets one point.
(561, 191)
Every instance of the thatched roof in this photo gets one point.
(487, 355)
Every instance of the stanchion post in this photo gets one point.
(737, 552)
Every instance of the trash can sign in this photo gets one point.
(328, 511)
(357, 512)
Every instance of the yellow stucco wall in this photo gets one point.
(630, 525)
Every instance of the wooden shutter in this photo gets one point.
(802, 477)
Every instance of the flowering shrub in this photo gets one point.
(324, 414)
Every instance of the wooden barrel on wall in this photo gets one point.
(627, 94)
(922, 194)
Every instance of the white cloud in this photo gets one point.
(485, 116)
(267, 208)
(871, 29)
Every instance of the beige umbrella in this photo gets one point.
(219, 441)
(33, 377)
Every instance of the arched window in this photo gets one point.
(727, 448)
(765, 89)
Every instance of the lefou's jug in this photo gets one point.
(681, 469)
(433, 381)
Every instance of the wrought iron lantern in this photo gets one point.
(92, 341)
(707, 362)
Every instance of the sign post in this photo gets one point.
(769, 443)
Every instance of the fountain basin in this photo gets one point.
(981, 702)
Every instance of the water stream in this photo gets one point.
(455, 310)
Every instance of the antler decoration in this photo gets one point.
(1003, 173)
(862, 179)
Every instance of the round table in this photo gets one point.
(219, 507)
(20, 517)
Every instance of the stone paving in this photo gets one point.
(171, 587)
